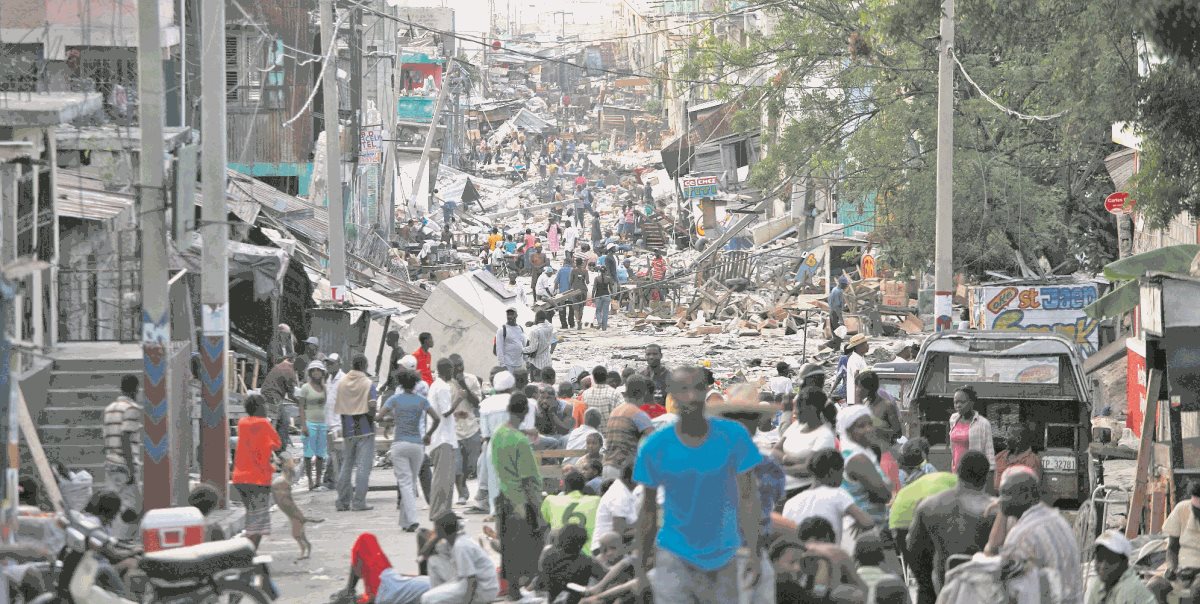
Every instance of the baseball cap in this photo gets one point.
(409, 362)
(1115, 542)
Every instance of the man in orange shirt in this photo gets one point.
(252, 470)
(424, 359)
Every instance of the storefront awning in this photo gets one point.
(1173, 259)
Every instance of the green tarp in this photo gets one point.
(1173, 259)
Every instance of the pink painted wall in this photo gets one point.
(72, 13)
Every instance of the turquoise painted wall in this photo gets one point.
(853, 212)
(302, 170)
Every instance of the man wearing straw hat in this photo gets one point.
(858, 346)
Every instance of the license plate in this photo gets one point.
(1058, 464)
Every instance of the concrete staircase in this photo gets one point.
(84, 379)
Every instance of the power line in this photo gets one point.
(464, 38)
(995, 103)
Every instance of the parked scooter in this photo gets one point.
(209, 573)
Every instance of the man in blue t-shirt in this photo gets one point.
(706, 467)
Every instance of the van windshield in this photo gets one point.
(1006, 370)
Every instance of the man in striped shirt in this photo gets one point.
(601, 396)
(537, 349)
(123, 456)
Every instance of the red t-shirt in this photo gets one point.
(257, 439)
(424, 365)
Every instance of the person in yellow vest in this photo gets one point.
(571, 506)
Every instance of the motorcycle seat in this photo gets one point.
(200, 560)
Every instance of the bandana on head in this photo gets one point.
(848, 417)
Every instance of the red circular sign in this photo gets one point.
(1119, 203)
(495, 44)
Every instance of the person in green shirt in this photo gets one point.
(312, 422)
(572, 506)
(520, 485)
(1118, 582)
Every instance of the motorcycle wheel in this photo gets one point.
(238, 592)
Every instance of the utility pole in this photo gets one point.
(8, 411)
(214, 279)
(333, 158)
(356, 114)
(943, 263)
(158, 475)
(424, 161)
(388, 109)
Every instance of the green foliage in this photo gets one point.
(853, 90)
(1168, 116)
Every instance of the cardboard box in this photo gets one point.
(894, 293)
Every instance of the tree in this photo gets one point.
(1168, 116)
(853, 86)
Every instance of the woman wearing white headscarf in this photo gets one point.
(864, 478)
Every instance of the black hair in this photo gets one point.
(572, 538)
(573, 481)
(614, 379)
(204, 497)
(911, 455)
(254, 403)
(782, 367)
(868, 550)
(445, 366)
(29, 489)
(447, 524)
(423, 335)
(589, 414)
(637, 388)
(407, 379)
(867, 379)
(816, 528)
(129, 385)
(825, 462)
(600, 375)
(548, 375)
(1194, 488)
(105, 505)
(973, 468)
(970, 392)
(359, 363)
(518, 404)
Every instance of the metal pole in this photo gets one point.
(214, 278)
(429, 135)
(8, 415)
(152, 213)
(183, 37)
(333, 158)
(388, 108)
(943, 280)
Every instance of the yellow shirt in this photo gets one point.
(493, 239)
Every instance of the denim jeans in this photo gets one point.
(358, 453)
(603, 307)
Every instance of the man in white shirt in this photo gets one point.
(570, 239)
(443, 442)
(460, 572)
(546, 284)
(859, 345)
(781, 384)
(333, 366)
(618, 510)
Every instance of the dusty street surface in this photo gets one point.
(315, 579)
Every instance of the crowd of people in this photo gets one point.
(679, 491)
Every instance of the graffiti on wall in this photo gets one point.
(1045, 309)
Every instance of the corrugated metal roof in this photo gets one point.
(308, 221)
(1120, 167)
(83, 193)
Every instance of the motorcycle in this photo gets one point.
(208, 573)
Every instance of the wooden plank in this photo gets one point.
(1158, 510)
(1141, 480)
(552, 453)
(34, 443)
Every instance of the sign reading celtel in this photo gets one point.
(695, 187)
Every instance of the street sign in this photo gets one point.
(696, 187)
(370, 146)
(1119, 203)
